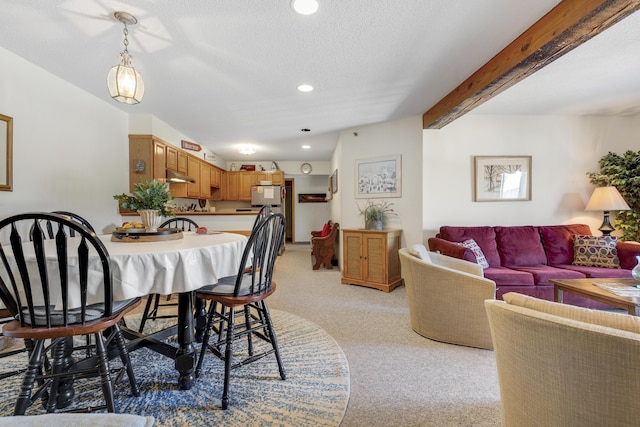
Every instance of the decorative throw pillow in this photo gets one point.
(594, 251)
(473, 246)
(326, 230)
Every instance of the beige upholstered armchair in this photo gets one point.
(561, 365)
(446, 298)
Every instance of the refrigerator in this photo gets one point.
(268, 195)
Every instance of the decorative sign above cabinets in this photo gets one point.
(191, 146)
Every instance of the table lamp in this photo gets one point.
(606, 199)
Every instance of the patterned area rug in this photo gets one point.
(315, 392)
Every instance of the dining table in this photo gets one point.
(177, 266)
(174, 266)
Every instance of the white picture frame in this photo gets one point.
(379, 177)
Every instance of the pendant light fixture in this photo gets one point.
(125, 82)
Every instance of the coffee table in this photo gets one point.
(586, 288)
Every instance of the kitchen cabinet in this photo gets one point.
(193, 170)
(183, 166)
(246, 182)
(371, 258)
(276, 178)
(172, 158)
(147, 159)
(205, 181)
(233, 186)
(216, 174)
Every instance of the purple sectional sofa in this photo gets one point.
(523, 258)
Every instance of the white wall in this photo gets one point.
(309, 216)
(402, 137)
(70, 148)
(563, 150)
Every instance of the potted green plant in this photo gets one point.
(622, 172)
(376, 214)
(151, 200)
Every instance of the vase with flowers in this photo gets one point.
(376, 214)
(152, 200)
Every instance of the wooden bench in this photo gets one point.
(323, 248)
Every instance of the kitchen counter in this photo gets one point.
(226, 220)
(228, 212)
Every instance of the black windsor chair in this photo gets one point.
(39, 284)
(248, 289)
(153, 301)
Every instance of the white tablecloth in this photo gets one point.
(164, 267)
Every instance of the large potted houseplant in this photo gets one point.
(622, 172)
(376, 214)
(152, 200)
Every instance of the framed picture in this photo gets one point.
(334, 181)
(502, 178)
(379, 177)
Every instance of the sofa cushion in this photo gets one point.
(542, 273)
(473, 246)
(627, 252)
(594, 251)
(484, 236)
(557, 241)
(419, 251)
(520, 245)
(598, 272)
(508, 277)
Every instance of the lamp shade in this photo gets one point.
(606, 199)
(125, 83)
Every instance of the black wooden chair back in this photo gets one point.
(260, 252)
(49, 225)
(40, 277)
(263, 213)
(57, 288)
(184, 224)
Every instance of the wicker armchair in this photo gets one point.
(323, 248)
(561, 365)
(446, 298)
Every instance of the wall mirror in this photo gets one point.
(6, 153)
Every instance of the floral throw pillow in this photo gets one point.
(594, 251)
(473, 246)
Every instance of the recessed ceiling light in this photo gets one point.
(305, 88)
(305, 7)
(306, 147)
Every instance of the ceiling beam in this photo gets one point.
(565, 27)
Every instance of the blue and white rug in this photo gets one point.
(315, 392)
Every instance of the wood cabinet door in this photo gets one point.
(216, 173)
(172, 158)
(205, 181)
(246, 181)
(277, 178)
(352, 265)
(375, 258)
(183, 162)
(159, 162)
(233, 186)
(193, 189)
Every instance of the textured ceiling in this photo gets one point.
(225, 72)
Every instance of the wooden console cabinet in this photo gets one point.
(371, 258)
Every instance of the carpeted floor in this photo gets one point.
(398, 378)
(315, 392)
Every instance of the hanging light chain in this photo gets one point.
(126, 40)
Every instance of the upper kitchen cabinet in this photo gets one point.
(147, 159)
(176, 159)
(193, 170)
(276, 178)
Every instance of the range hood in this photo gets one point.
(173, 176)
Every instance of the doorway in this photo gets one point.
(289, 210)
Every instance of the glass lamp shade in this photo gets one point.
(125, 82)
